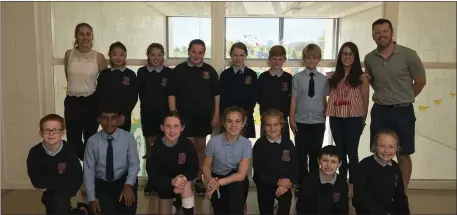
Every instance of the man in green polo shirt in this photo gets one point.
(397, 77)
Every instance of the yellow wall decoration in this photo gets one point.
(438, 101)
(452, 94)
(423, 107)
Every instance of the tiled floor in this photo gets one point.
(421, 202)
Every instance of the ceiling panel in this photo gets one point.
(266, 9)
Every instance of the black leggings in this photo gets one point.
(81, 120)
(232, 197)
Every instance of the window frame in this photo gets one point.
(281, 25)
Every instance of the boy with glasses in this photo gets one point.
(53, 166)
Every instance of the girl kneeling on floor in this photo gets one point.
(226, 164)
(172, 166)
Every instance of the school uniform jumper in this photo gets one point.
(346, 111)
(239, 88)
(60, 173)
(194, 87)
(273, 161)
(166, 162)
(110, 162)
(378, 188)
(119, 88)
(153, 93)
(226, 156)
(310, 89)
(275, 92)
(320, 197)
(80, 104)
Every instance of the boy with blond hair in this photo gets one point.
(307, 111)
(275, 86)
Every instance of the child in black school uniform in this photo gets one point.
(275, 87)
(118, 85)
(239, 87)
(226, 164)
(274, 163)
(111, 166)
(153, 81)
(378, 183)
(324, 191)
(194, 93)
(172, 166)
(53, 166)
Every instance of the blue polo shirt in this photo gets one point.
(227, 156)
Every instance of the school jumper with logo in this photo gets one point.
(153, 93)
(168, 161)
(273, 161)
(194, 88)
(118, 88)
(239, 88)
(60, 174)
(379, 189)
(321, 197)
(275, 92)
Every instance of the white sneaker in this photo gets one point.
(275, 205)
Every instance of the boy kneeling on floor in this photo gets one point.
(111, 166)
(53, 166)
(324, 191)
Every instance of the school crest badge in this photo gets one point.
(61, 167)
(285, 86)
(248, 80)
(285, 155)
(396, 180)
(181, 158)
(126, 80)
(336, 197)
(205, 75)
(164, 82)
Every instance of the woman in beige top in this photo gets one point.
(82, 66)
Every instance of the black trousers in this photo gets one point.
(81, 120)
(266, 197)
(308, 141)
(57, 202)
(108, 194)
(232, 197)
(346, 134)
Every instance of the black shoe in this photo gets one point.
(199, 188)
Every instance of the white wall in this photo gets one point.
(356, 28)
(433, 38)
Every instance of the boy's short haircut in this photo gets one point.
(330, 150)
(312, 50)
(52, 117)
(109, 109)
(277, 51)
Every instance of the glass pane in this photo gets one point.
(136, 24)
(194, 28)
(252, 32)
(300, 32)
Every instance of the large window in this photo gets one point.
(182, 30)
(260, 34)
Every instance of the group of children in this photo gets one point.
(178, 110)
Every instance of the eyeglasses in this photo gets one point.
(54, 131)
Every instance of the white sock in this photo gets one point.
(188, 203)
